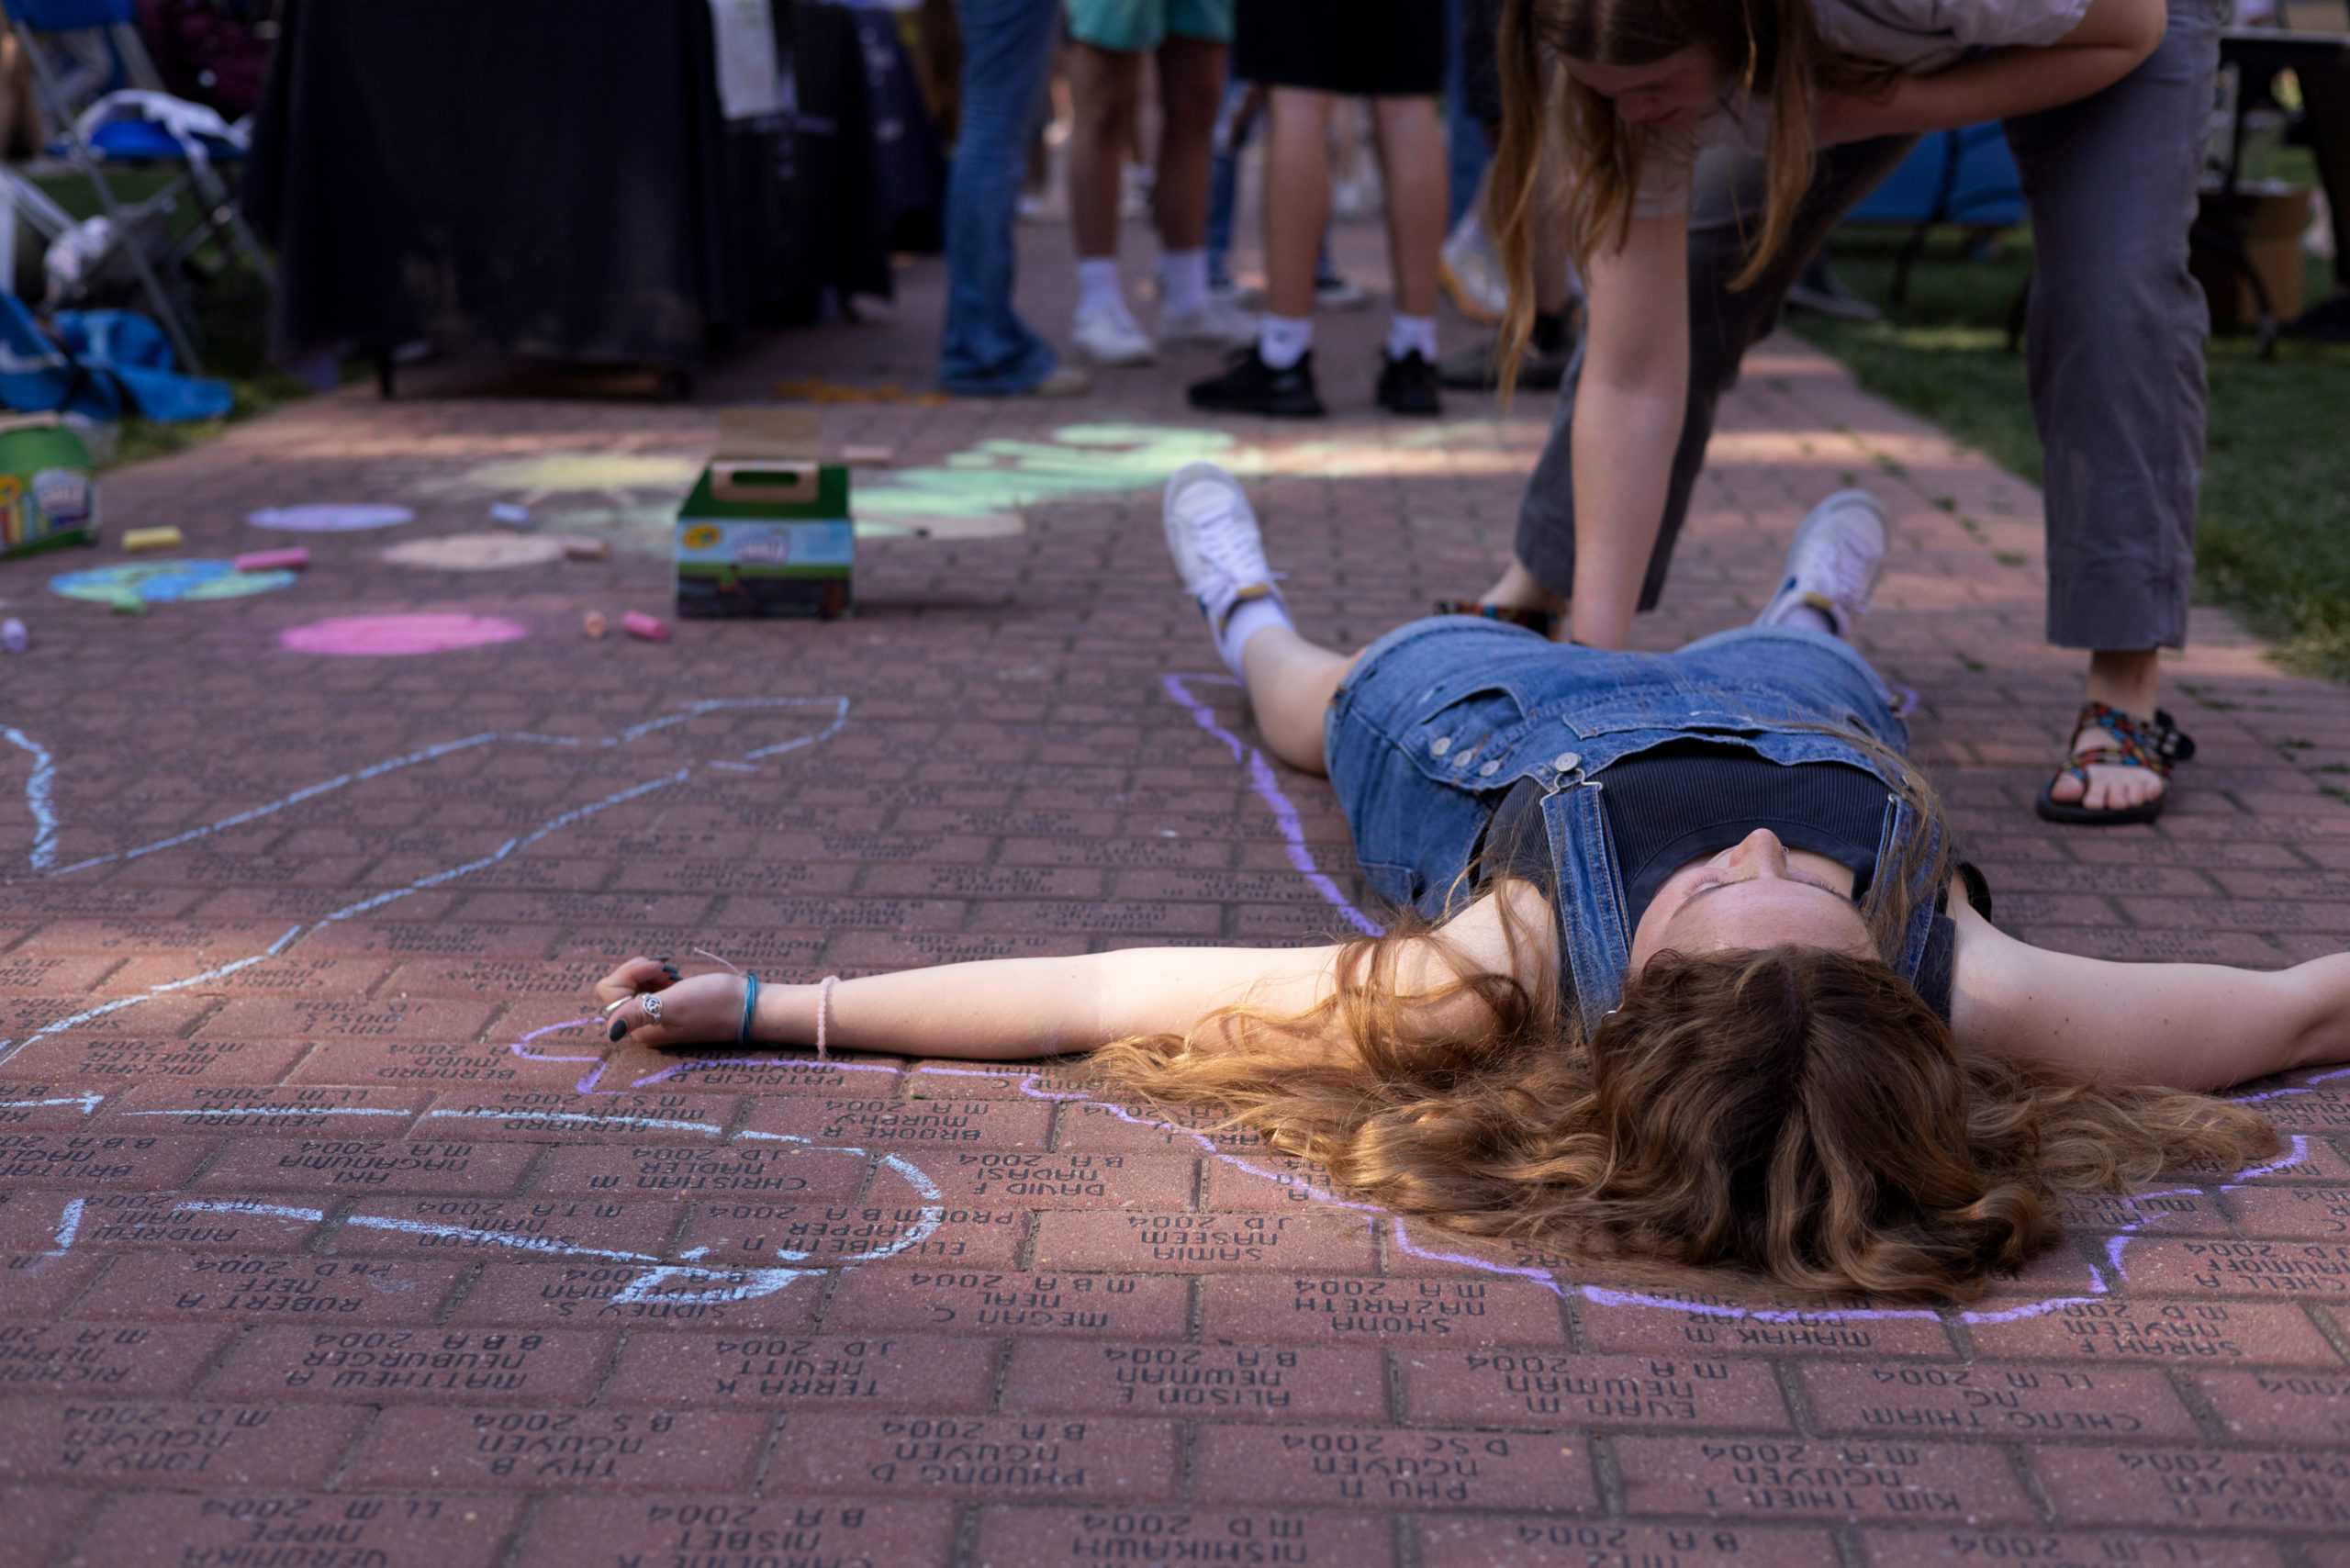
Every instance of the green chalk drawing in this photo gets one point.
(632, 496)
(1006, 475)
(1102, 459)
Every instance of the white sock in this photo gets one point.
(1182, 282)
(1809, 616)
(1282, 340)
(1407, 334)
(1247, 617)
(1097, 283)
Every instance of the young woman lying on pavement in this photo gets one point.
(1694, 980)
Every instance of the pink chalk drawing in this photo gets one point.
(399, 636)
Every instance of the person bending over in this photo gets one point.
(1690, 974)
(1799, 108)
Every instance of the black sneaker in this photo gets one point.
(1478, 368)
(1249, 386)
(1408, 385)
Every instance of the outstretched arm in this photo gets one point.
(2200, 1027)
(1004, 1010)
(1022, 1009)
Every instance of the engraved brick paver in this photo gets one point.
(332, 1229)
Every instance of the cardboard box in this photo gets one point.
(2270, 215)
(767, 531)
(48, 495)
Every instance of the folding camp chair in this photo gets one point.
(138, 126)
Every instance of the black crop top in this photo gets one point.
(1676, 804)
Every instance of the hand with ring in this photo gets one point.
(648, 1001)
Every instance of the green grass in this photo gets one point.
(231, 330)
(2274, 542)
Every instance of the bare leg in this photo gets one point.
(1297, 196)
(1102, 82)
(1411, 157)
(1291, 682)
(1191, 92)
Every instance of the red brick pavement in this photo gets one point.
(324, 1242)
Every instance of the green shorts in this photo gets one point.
(1138, 26)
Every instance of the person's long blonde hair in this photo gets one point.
(1562, 142)
(1796, 1114)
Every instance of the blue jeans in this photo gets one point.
(1007, 51)
(1442, 716)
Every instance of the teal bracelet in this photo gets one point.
(750, 1006)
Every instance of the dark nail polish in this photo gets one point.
(671, 973)
(619, 1027)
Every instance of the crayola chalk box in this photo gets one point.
(766, 530)
(47, 498)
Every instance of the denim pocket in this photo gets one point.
(1471, 738)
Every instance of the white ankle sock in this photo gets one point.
(1097, 283)
(1282, 340)
(1406, 334)
(1810, 617)
(1182, 282)
(1247, 617)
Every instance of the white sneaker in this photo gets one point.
(1109, 334)
(1834, 563)
(1218, 323)
(1471, 270)
(1213, 535)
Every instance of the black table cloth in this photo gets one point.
(555, 177)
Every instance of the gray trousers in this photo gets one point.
(2114, 347)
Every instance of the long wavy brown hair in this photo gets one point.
(1793, 1113)
(1552, 124)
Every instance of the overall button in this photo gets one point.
(1567, 761)
(1489, 769)
(1440, 745)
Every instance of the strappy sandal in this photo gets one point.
(1541, 622)
(2131, 742)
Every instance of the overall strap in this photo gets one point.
(1592, 931)
(1900, 821)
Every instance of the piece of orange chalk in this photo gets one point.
(592, 623)
(287, 560)
(140, 539)
(651, 628)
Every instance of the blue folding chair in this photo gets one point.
(1965, 177)
(134, 125)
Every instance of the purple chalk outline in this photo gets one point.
(1269, 790)
(2104, 1277)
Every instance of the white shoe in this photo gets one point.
(1109, 334)
(1213, 535)
(1471, 270)
(1834, 563)
(1217, 322)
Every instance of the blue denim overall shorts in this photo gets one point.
(1442, 717)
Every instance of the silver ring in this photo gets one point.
(652, 1007)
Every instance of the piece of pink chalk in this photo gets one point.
(290, 560)
(652, 628)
